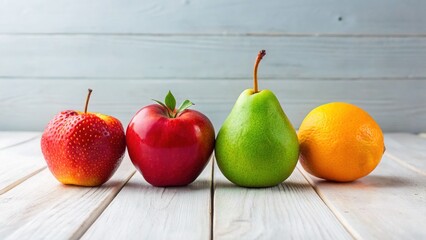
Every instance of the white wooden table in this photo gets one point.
(390, 203)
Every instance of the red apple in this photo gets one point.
(169, 146)
(83, 148)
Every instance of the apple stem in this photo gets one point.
(87, 100)
(170, 105)
(260, 55)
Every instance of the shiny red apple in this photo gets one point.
(170, 146)
(83, 148)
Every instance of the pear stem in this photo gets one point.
(87, 100)
(260, 55)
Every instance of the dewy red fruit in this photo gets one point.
(83, 148)
(170, 146)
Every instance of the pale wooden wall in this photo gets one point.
(368, 52)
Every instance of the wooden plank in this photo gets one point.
(195, 57)
(141, 211)
(20, 162)
(387, 204)
(45, 209)
(385, 100)
(291, 210)
(217, 17)
(408, 150)
(12, 138)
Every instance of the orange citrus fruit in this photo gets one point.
(340, 142)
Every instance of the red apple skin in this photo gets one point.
(169, 151)
(83, 149)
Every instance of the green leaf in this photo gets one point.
(159, 102)
(185, 105)
(170, 101)
(170, 104)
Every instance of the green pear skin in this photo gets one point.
(257, 146)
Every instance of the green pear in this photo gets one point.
(257, 145)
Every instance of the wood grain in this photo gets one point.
(20, 162)
(387, 204)
(213, 17)
(292, 210)
(141, 211)
(408, 150)
(197, 57)
(129, 40)
(8, 139)
(385, 100)
(45, 209)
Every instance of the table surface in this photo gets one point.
(390, 203)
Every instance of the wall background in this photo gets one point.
(370, 53)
